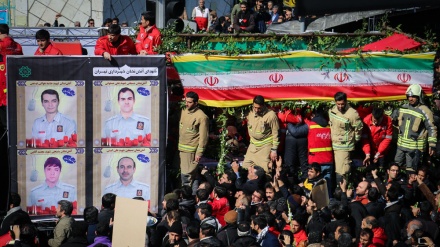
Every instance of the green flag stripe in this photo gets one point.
(306, 63)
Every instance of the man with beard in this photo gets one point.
(313, 177)
(346, 129)
(416, 129)
(193, 137)
(63, 229)
(362, 192)
(244, 20)
(114, 44)
(126, 186)
(263, 129)
(45, 47)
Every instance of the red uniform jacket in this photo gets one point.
(319, 143)
(148, 39)
(379, 237)
(377, 138)
(50, 50)
(7, 47)
(219, 208)
(125, 47)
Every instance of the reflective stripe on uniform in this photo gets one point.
(186, 148)
(315, 150)
(262, 142)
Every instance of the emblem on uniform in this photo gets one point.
(65, 194)
(2, 67)
(139, 193)
(140, 125)
(59, 128)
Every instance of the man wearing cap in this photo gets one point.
(416, 129)
(45, 197)
(228, 233)
(245, 237)
(126, 186)
(174, 236)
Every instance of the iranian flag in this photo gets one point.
(231, 81)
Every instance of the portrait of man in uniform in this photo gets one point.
(126, 186)
(52, 124)
(44, 198)
(127, 128)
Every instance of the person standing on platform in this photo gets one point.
(45, 47)
(114, 44)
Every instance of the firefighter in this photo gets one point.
(346, 130)
(263, 131)
(320, 144)
(416, 127)
(376, 137)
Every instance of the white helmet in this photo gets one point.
(414, 90)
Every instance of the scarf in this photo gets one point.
(262, 234)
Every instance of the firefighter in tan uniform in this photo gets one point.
(193, 137)
(263, 131)
(346, 130)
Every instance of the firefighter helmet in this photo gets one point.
(414, 90)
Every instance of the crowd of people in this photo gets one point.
(298, 184)
(244, 17)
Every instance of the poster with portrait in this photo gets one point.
(126, 172)
(51, 175)
(58, 109)
(126, 113)
(50, 114)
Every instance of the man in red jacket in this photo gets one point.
(7, 47)
(45, 47)
(379, 235)
(149, 36)
(114, 44)
(376, 137)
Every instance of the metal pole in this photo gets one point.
(160, 13)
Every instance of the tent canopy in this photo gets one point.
(394, 42)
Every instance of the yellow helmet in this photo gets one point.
(414, 90)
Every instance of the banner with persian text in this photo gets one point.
(81, 127)
(230, 81)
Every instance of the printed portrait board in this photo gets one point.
(82, 126)
(40, 100)
(50, 175)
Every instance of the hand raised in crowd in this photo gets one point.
(367, 160)
(279, 162)
(273, 155)
(374, 173)
(16, 230)
(286, 240)
(412, 178)
(343, 185)
(235, 166)
(204, 170)
(419, 179)
(274, 183)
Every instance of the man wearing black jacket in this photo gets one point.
(15, 213)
